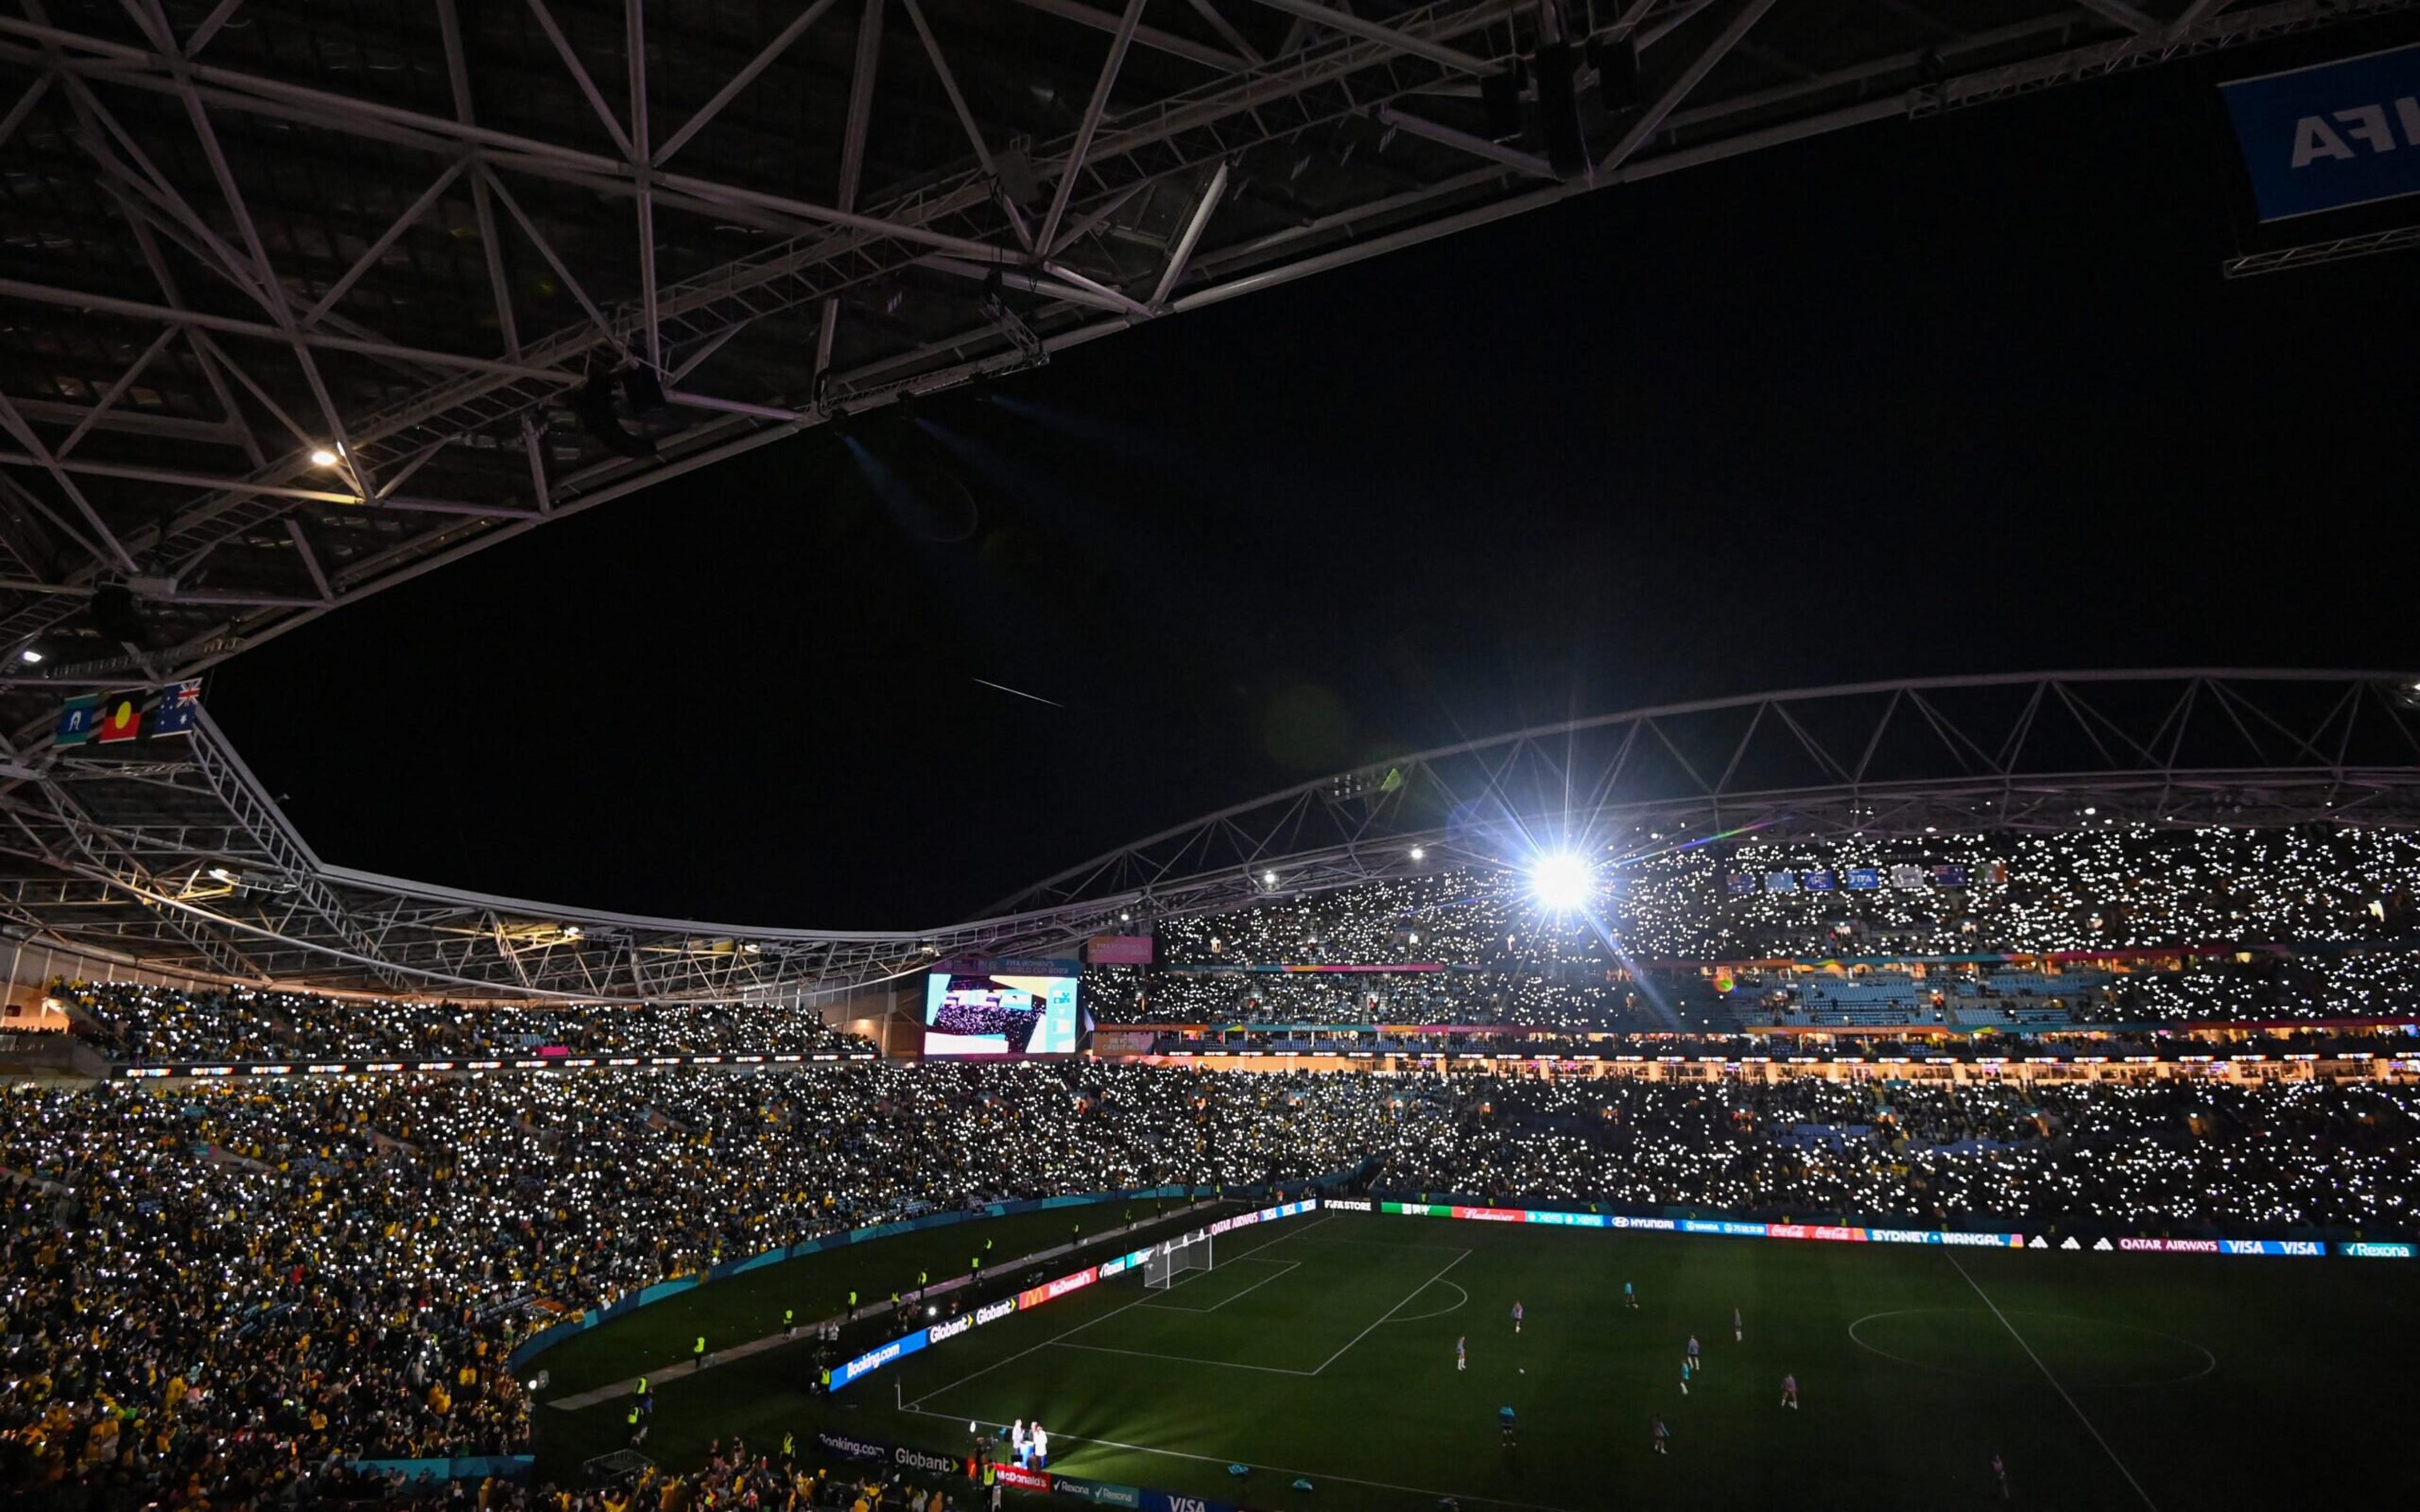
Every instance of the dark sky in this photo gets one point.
(1962, 395)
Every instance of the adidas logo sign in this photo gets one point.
(2070, 1243)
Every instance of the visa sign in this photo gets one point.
(2330, 136)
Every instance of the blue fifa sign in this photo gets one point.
(2330, 136)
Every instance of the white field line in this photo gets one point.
(1185, 1358)
(927, 1396)
(1460, 1256)
(2053, 1384)
(1417, 1318)
(1282, 1267)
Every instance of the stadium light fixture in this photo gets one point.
(1420, 852)
(322, 456)
(1562, 882)
(30, 656)
(1269, 879)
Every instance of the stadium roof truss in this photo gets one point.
(402, 238)
(171, 857)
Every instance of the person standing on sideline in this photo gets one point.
(1021, 1443)
(1739, 1328)
(1789, 1392)
(1516, 1317)
(1041, 1448)
(1462, 1352)
(697, 1352)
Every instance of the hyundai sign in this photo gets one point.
(2330, 136)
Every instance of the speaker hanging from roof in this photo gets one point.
(593, 403)
(1616, 72)
(1559, 108)
(1500, 95)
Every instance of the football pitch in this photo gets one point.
(1322, 1348)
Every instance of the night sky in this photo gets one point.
(1962, 395)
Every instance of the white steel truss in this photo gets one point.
(400, 238)
(172, 858)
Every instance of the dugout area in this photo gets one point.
(1323, 1346)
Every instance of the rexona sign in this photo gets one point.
(2332, 135)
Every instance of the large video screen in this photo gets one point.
(975, 1013)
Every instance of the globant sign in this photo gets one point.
(949, 1330)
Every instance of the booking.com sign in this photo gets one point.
(2330, 136)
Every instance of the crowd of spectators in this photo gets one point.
(143, 1022)
(1639, 959)
(229, 1288)
(231, 1281)
(2275, 1153)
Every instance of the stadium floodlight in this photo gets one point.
(30, 656)
(1420, 852)
(323, 457)
(1269, 879)
(1562, 882)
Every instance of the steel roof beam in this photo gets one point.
(1338, 20)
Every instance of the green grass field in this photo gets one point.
(1324, 1347)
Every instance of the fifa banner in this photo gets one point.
(2330, 136)
(1850, 1234)
(1031, 1297)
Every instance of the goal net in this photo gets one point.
(1173, 1259)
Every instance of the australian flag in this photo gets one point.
(179, 703)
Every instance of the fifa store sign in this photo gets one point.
(2330, 136)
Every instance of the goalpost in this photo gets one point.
(1172, 1259)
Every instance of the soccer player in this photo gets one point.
(1695, 1363)
(2000, 1474)
(1462, 1352)
(1663, 1434)
(1516, 1318)
(1739, 1328)
(1504, 1424)
(1629, 1298)
(1684, 1375)
(1789, 1392)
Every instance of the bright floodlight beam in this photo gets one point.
(1562, 882)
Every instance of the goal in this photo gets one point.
(1173, 1258)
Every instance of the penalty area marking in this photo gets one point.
(1460, 1256)
(927, 1396)
(1282, 1267)
(1861, 1342)
(1469, 1497)
(2054, 1384)
(1417, 1318)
